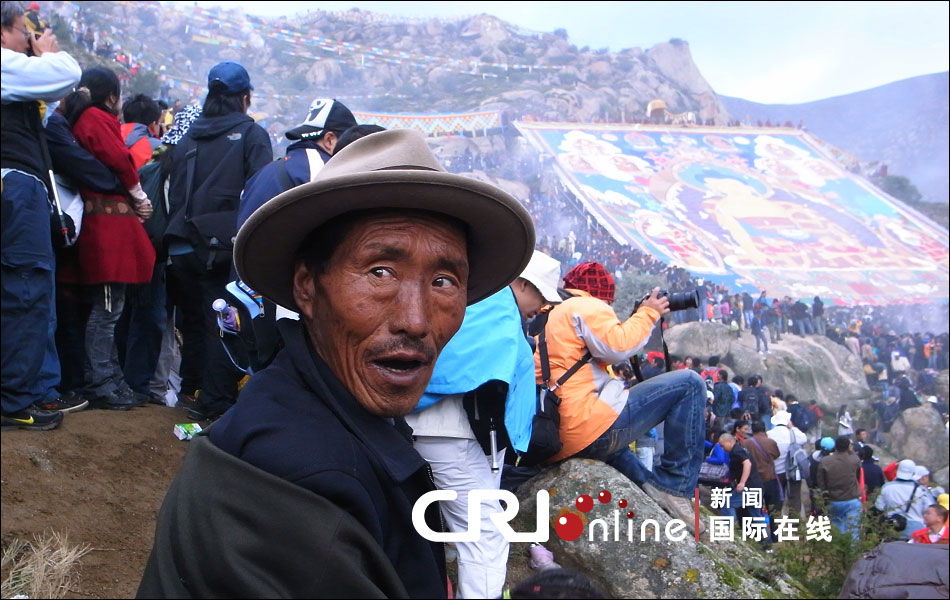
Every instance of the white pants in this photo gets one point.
(460, 465)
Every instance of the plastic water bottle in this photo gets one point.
(541, 558)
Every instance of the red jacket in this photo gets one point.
(113, 246)
(922, 536)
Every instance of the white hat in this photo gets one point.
(544, 273)
(781, 418)
(920, 471)
(906, 469)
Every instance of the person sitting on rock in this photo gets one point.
(598, 419)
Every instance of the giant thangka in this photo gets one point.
(754, 209)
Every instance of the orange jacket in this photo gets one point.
(586, 323)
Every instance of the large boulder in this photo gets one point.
(943, 385)
(920, 435)
(811, 367)
(649, 568)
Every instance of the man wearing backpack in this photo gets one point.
(723, 395)
(210, 166)
(143, 323)
(792, 463)
(749, 398)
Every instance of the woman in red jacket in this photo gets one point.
(114, 250)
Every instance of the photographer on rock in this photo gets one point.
(599, 417)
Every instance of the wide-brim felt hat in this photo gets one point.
(392, 169)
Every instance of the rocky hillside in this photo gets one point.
(387, 64)
(903, 124)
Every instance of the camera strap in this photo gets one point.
(635, 362)
(546, 365)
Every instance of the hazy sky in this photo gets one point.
(771, 52)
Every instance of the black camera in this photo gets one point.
(678, 300)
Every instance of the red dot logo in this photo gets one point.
(604, 497)
(630, 515)
(569, 526)
(584, 503)
(622, 503)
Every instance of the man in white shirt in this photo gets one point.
(784, 434)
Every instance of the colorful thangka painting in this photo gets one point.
(754, 209)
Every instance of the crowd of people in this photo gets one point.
(373, 278)
(766, 439)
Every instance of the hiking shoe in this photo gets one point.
(205, 414)
(65, 404)
(116, 400)
(187, 400)
(675, 506)
(32, 417)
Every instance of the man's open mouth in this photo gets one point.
(400, 365)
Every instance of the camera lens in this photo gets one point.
(683, 300)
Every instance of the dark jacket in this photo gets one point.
(75, 162)
(838, 476)
(296, 421)
(268, 182)
(873, 476)
(230, 149)
(736, 458)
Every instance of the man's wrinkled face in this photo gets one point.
(392, 295)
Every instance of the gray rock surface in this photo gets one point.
(811, 367)
(643, 569)
(920, 435)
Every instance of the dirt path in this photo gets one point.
(100, 478)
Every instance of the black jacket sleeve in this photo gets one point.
(257, 151)
(75, 162)
(229, 530)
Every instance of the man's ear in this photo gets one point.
(305, 289)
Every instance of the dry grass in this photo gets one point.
(43, 568)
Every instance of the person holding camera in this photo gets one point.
(35, 72)
(599, 417)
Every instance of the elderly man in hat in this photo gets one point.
(599, 417)
(314, 141)
(305, 487)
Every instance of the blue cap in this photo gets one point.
(231, 75)
(827, 443)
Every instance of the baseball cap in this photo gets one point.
(906, 469)
(544, 273)
(230, 77)
(325, 114)
(944, 501)
(827, 443)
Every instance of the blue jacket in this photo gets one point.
(490, 345)
(267, 183)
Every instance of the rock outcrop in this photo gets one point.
(649, 568)
(811, 367)
(920, 435)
